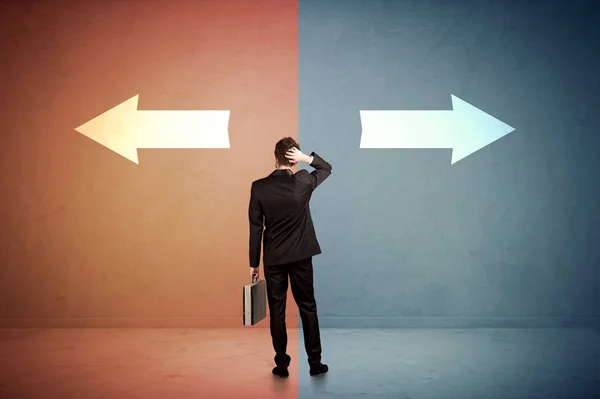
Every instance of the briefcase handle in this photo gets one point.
(254, 279)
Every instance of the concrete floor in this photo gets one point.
(236, 363)
(458, 364)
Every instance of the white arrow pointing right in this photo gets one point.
(464, 129)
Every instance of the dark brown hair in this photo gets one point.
(282, 147)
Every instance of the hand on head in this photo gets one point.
(294, 155)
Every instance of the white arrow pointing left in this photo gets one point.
(124, 129)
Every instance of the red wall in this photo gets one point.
(89, 238)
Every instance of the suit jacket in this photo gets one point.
(279, 206)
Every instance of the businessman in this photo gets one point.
(279, 205)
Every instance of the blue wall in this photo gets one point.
(503, 237)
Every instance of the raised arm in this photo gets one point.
(322, 169)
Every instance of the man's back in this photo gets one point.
(279, 206)
(283, 199)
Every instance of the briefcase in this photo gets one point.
(255, 302)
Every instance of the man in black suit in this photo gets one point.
(279, 205)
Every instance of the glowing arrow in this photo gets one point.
(464, 129)
(123, 129)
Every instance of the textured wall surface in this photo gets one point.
(90, 238)
(507, 235)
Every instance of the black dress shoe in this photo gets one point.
(281, 371)
(319, 369)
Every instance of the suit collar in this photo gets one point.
(282, 172)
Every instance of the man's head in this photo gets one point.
(281, 148)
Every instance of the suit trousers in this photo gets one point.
(300, 275)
